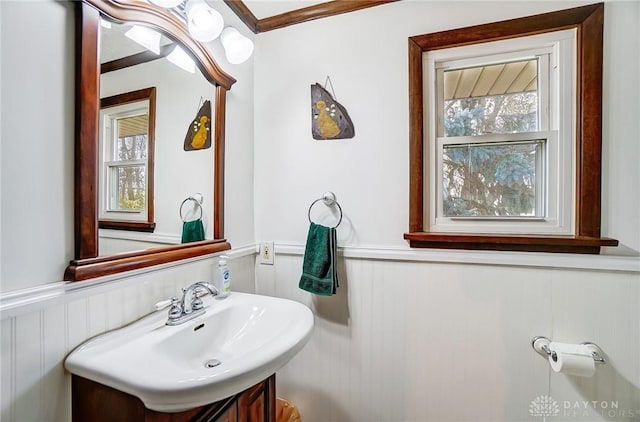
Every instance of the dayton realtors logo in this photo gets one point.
(543, 406)
(546, 406)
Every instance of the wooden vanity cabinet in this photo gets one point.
(95, 402)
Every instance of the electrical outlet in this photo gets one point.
(266, 253)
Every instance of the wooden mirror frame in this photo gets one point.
(87, 264)
(588, 20)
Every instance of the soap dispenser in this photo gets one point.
(222, 278)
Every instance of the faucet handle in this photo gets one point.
(202, 288)
(198, 293)
(175, 311)
(165, 303)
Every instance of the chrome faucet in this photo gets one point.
(191, 304)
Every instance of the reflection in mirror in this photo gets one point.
(127, 149)
(127, 65)
(182, 183)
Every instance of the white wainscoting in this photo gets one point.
(419, 340)
(410, 336)
(40, 329)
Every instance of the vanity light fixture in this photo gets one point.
(182, 59)
(205, 24)
(105, 23)
(146, 37)
(237, 47)
(166, 3)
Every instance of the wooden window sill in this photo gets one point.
(525, 243)
(134, 226)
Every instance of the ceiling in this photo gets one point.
(114, 45)
(267, 15)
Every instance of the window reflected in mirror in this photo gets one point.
(127, 146)
(126, 167)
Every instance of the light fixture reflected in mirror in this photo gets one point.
(237, 47)
(146, 37)
(182, 59)
(205, 23)
(166, 3)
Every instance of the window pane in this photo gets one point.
(128, 185)
(131, 148)
(132, 138)
(492, 180)
(498, 98)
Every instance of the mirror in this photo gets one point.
(145, 172)
(89, 262)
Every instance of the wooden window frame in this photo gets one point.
(588, 22)
(146, 94)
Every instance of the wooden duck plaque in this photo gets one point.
(199, 131)
(329, 118)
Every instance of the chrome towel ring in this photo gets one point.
(197, 199)
(329, 199)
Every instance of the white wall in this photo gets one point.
(432, 335)
(37, 142)
(369, 71)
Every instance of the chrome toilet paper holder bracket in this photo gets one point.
(541, 346)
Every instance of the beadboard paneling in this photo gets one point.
(34, 385)
(401, 341)
(425, 341)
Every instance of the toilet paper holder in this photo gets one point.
(541, 345)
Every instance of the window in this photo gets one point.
(502, 157)
(126, 157)
(505, 135)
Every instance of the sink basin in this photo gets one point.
(236, 343)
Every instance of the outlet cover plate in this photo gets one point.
(266, 253)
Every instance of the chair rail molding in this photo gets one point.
(20, 302)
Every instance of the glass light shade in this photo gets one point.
(182, 59)
(146, 37)
(166, 3)
(237, 47)
(205, 23)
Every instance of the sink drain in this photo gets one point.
(212, 363)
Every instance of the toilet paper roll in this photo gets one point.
(572, 359)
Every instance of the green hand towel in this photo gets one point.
(192, 231)
(319, 274)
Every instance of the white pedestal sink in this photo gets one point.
(238, 342)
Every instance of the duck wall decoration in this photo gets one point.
(199, 131)
(329, 118)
